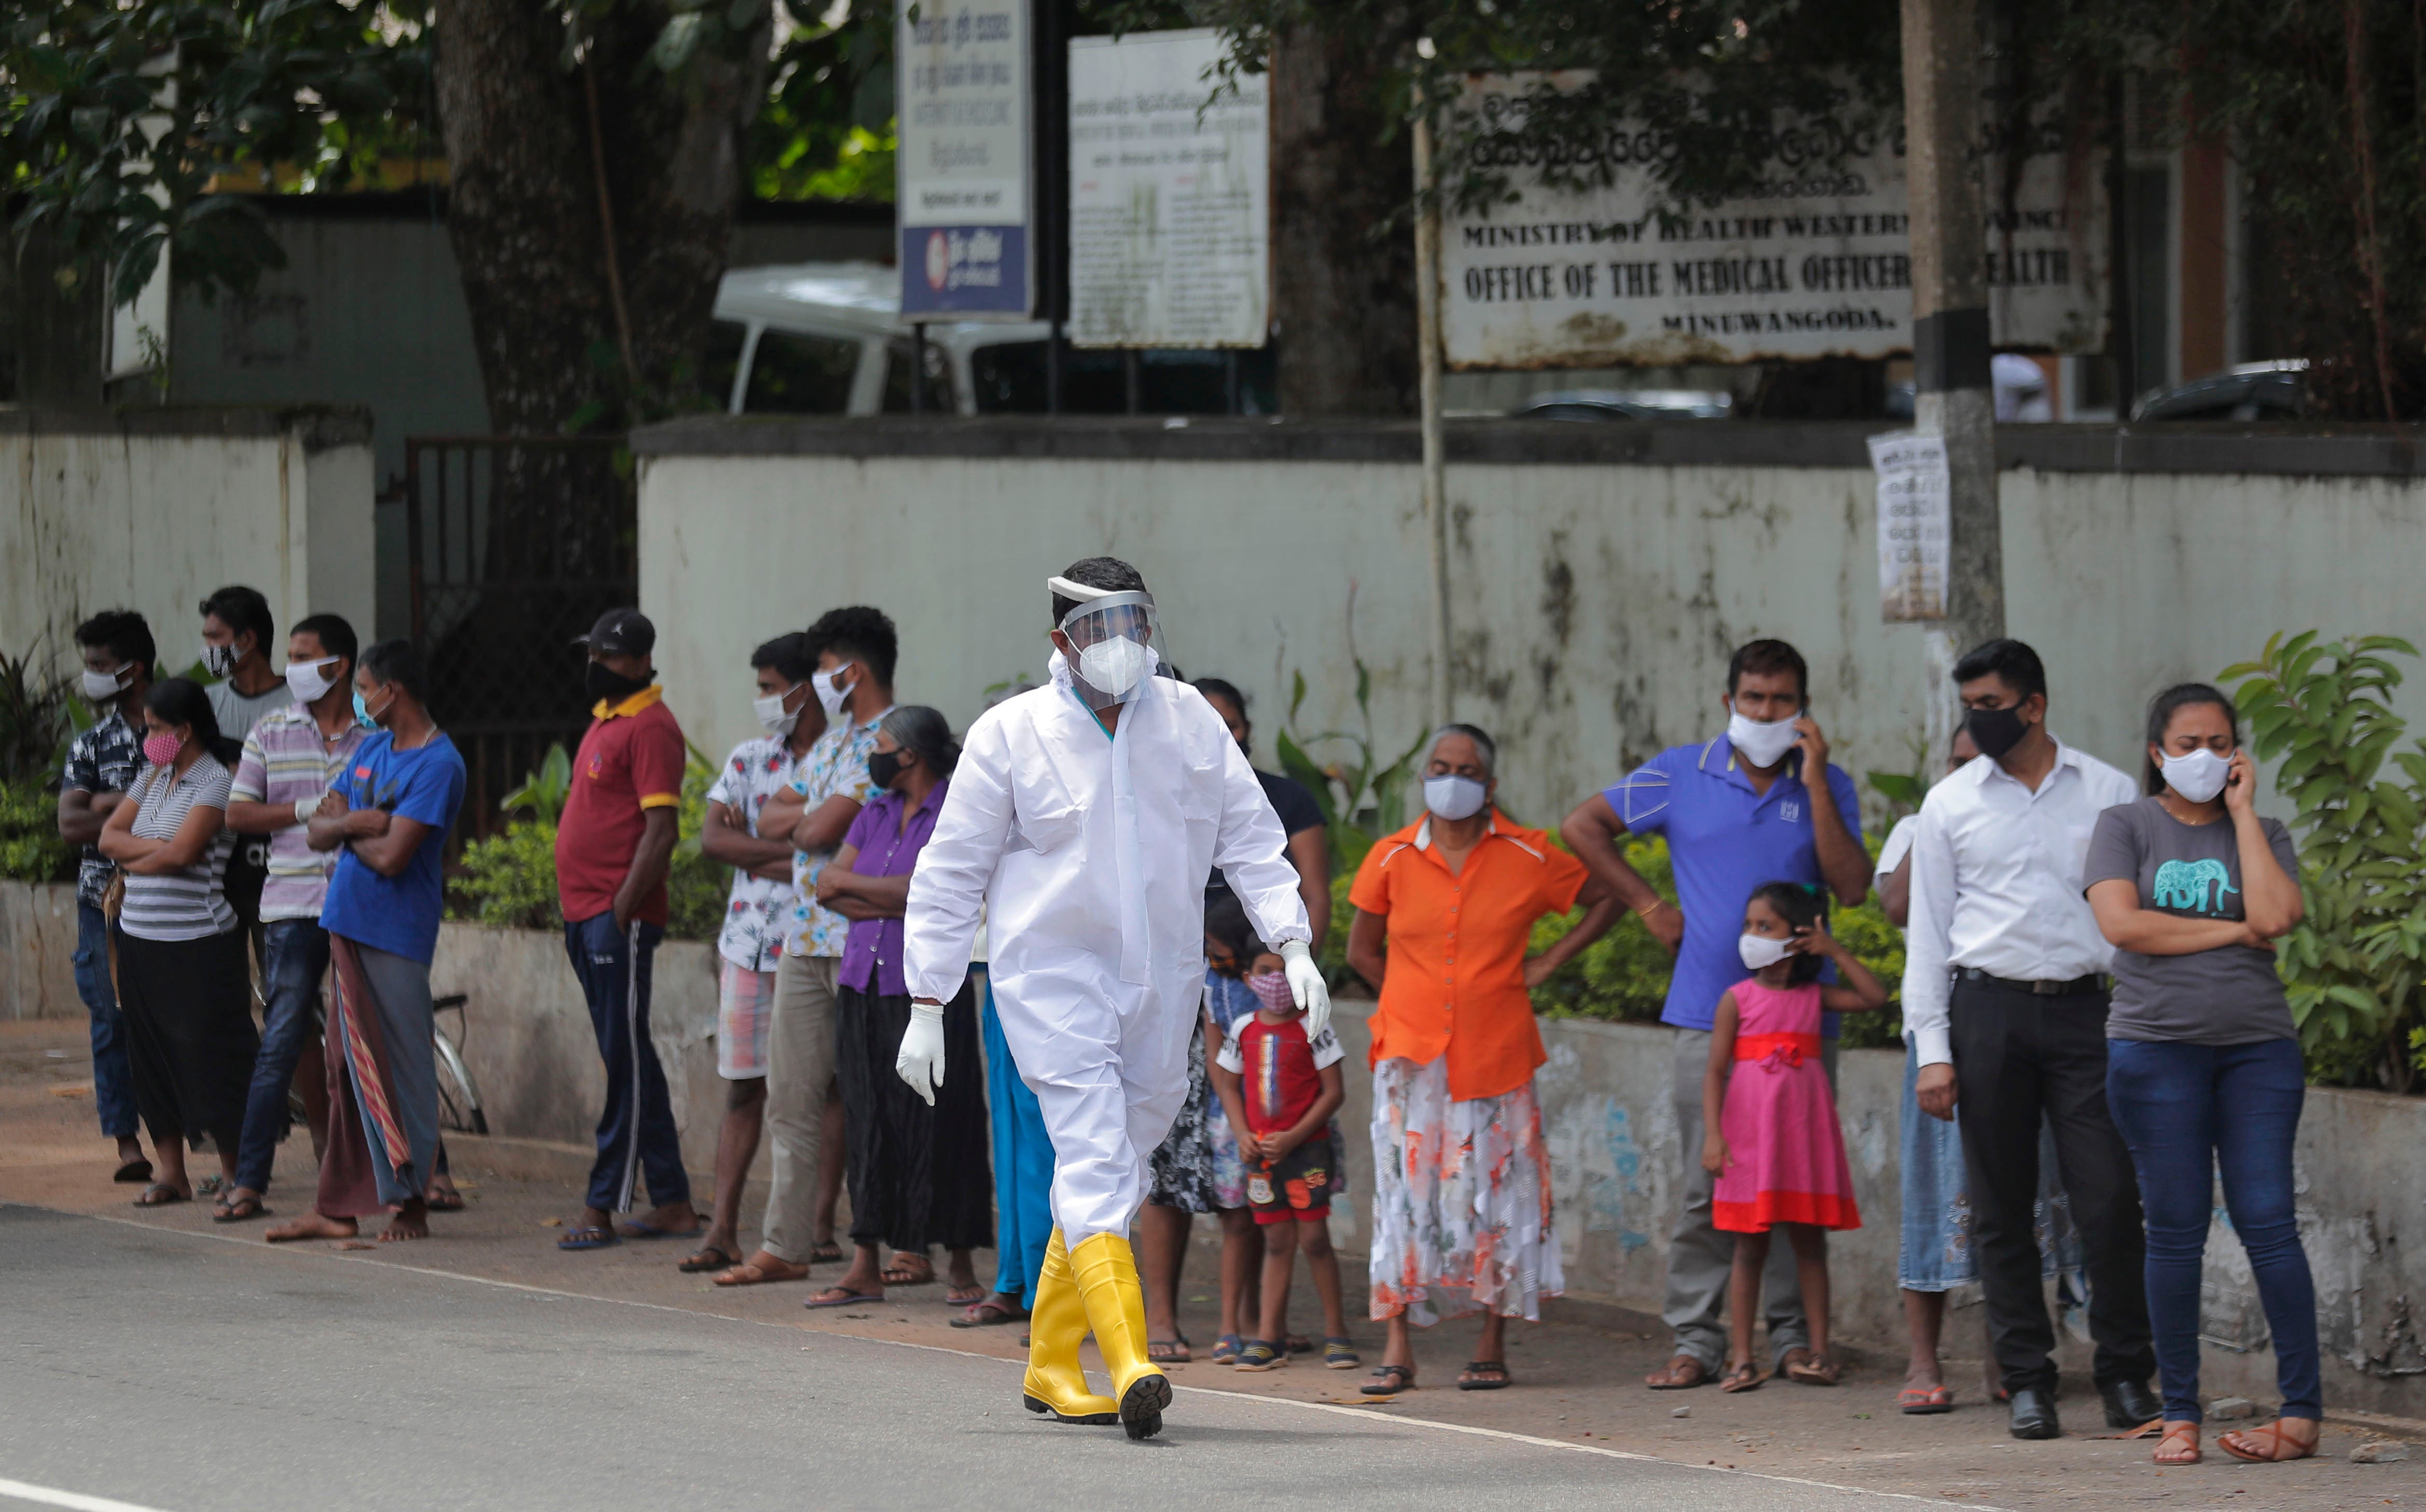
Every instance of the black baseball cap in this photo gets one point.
(621, 633)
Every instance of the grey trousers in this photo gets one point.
(1700, 1258)
(800, 1071)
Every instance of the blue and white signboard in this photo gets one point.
(966, 203)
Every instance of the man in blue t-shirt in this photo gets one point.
(388, 814)
(1737, 812)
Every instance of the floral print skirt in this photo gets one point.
(1461, 1200)
(1196, 1167)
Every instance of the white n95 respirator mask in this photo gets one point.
(1118, 640)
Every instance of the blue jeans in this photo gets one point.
(113, 1080)
(296, 958)
(635, 1130)
(1023, 1169)
(2186, 1110)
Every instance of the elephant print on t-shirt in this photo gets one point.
(2184, 885)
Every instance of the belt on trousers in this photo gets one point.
(1778, 1051)
(2077, 987)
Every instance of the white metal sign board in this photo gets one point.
(1169, 195)
(1817, 262)
(967, 241)
(1914, 529)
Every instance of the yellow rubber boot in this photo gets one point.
(1115, 1300)
(1057, 1324)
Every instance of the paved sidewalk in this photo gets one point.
(1578, 1381)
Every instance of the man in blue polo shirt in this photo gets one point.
(1737, 811)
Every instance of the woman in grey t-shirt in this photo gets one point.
(178, 956)
(2203, 1062)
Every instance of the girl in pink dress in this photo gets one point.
(1774, 1142)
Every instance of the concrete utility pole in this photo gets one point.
(1943, 165)
(1428, 357)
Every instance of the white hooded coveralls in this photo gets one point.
(1090, 853)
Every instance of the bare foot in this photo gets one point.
(312, 1225)
(412, 1221)
(672, 1220)
(761, 1269)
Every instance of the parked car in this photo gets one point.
(828, 338)
(1627, 404)
(2253, 391)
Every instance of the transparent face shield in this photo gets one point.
(1115, 645)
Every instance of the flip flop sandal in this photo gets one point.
(160, 1194)
(1814, 1373)
(209, 1185)
(1340, 1352)
(242, 1210)
(443, 1202)
(1743, 1377)
(964, 1296)
(1167, 1352)
(1298, 1344)
(830, 1298)
(132, 1171)
(1226, 1348)
(1923, 1401)
(643, 1228)
(1473, 1366)
(588, 1236)
(988, 1313)
(706, 1259)
(894, 1274)
(749, 1275)
(1388, 1380)
(1701, 1375)
(828, 1253)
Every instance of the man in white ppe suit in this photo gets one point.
(1087, 816)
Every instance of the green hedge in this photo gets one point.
(30, 847)
(509, 879)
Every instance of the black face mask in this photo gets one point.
(604, 685)
(1995, 731)
(883, 768)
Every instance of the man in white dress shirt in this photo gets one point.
(2004, 993)
(1087, 816)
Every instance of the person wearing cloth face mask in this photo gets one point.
(1743, 810)
(385, 818)
(294, 755)
(236, 635)
(614, 845)
(855, 648)
(2203, 1064)
(101, 766)
(918, 1173)
(1445, 909)
(752, 941)
(2004, 995)
(180, 959)
(1086, 817)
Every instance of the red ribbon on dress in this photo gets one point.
(1777, 1053)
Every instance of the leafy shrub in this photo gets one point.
(30, 847)
(509, 880)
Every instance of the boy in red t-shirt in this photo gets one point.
(1279, 1088)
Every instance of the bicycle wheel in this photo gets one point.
(458, 1100)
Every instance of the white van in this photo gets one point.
(828, 338)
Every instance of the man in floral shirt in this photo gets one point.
(102, 763)
(854, 681)
(755, 918)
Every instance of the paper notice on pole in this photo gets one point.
(962, 166)
(1914, 531)
(1169, 195)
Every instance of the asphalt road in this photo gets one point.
(179, 1372)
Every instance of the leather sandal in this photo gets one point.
(2181, 1444)
(2275, 1447)
(1743, 1376)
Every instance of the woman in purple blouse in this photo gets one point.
(918, 1175)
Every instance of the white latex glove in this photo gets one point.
(921, 1060)
(1305, 985)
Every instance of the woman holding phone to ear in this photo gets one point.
(2204, 1070)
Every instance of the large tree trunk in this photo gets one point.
(524, 212)
(1344, 291)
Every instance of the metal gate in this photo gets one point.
(518, 545)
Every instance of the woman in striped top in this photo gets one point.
(182, 980)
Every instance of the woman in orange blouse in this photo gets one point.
(1461, 1176)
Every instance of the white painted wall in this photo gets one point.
(92, 520)
(1595, 606)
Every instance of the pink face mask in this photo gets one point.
(1271, 989)
(162, 748)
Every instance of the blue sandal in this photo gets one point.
(1339, 1352)
(1260, 1355)
(588, 1237)
(1226, 1349)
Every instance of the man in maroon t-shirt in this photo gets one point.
(613, 846)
